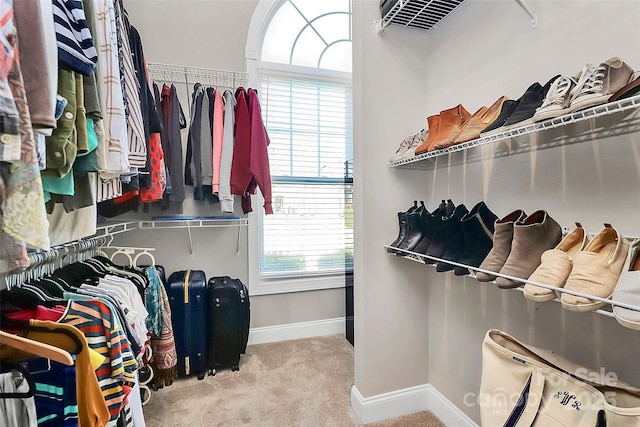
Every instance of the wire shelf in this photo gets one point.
(418, 257)
(429, 160)
(170, 73)
(422, 14)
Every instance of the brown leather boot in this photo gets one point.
(434, 123)
(450, 118)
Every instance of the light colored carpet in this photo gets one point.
(301, 383)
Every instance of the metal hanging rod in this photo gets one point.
(190, 75)
(43, 261)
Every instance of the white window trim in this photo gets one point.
(264, 11)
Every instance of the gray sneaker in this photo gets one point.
(596, 84)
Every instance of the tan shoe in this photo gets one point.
(455, 116)
(457, 130)
(474, 125)
(433, 122)
(531, 237)
(555, 265)
(596, 270)
(502, 238)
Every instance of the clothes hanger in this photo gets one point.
(8, 367)
(25, 325)
(36, 348)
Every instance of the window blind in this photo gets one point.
(310, 127)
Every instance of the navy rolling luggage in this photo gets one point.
(187, 291)
(228, 322)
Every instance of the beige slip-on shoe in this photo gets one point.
(555, 265)
(628, 289)
(596, 270)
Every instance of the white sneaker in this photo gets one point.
(557, 101)
(597, 84)
(408, 147)
(418, 139)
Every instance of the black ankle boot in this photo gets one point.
(442, 232)
(402, 224)
(478, 228)
(428, 222)
(414, 230)
(455, 239)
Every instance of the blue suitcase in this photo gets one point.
(187, 291)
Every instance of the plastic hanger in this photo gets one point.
(36, 348)
(8, 367)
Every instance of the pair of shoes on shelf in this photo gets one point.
(470, 239)
(408, 146)
(520, 112)
(578, 264)
(518, 244)
(471, 128)
(455, 234)
(441, 126)
(410, 228)
(432, 223)
(594, 85)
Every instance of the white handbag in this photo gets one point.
(525, 386)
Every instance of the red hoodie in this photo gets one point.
(259, 156)
(240, 175)
(250, 164)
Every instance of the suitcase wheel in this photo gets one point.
(235, 368)
(201, 377)
(212, 372)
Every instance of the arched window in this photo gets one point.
(304, 80)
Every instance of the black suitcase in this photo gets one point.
(187, 291)
(228, 322)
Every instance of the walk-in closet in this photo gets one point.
(299, 213)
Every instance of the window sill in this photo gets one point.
(297, 284)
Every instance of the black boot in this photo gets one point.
(428, 222)
(442, 230)
(414, 229)
(402, 224)
(478, 227)
(455, 239)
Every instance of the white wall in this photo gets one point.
(485, 49)
(212, 34)
(390, 296)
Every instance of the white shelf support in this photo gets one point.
(525, 6)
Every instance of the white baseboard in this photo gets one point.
(446, 411)
(389, 405)
(294, 331)
(407, 401)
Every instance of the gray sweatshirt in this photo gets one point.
(224, 194)
(206, 142)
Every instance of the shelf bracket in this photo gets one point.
(525, 6)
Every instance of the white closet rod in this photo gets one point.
(45, 261)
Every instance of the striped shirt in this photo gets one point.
(55, 396)
(105, 335)
(135, 125)
(75, 46)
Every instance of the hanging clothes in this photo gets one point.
(240, 174)
(218, 135)
(259, 157)
(226, 155)
(174, 121)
